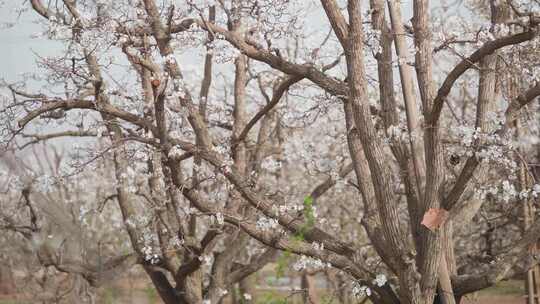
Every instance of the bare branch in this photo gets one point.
(487, 49)
(276, 97)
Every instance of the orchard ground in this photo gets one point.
(138, 291)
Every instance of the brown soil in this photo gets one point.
(495, 300)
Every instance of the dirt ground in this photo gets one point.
(139, 297)
(512, 299)
(479, 300)
(141, 292)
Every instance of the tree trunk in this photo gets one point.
(343, 293)
(192, 287)
(447, 267)
(163, 287)
(247, 288)
(310, 295)
(7, 283)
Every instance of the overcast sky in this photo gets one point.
(17, 47)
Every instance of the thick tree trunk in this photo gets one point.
(192, 288)
(339, 284)
(7, 283)
(247, 289)
(308, 283)
(166, 292)
(447, 267)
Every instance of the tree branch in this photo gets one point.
(276, 97)
(487, 49)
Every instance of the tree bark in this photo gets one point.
(247, 287)
(7, 282)
(308, 285)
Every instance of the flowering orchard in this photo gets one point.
(392, 146)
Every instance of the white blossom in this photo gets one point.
(206, 259)
(317, 246)
(266, 223)
(175, 152)
(304, 262)
(219, 218)
(380, 280)
(359, 290)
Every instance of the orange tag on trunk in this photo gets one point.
(434, 218)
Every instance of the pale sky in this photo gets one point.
(17, 47)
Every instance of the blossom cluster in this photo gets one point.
(150, 252)
(360, 290)
(218, 219)
(506, 191)
(308, 262)
(265, 223)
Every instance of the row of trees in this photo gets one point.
(210, 138)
